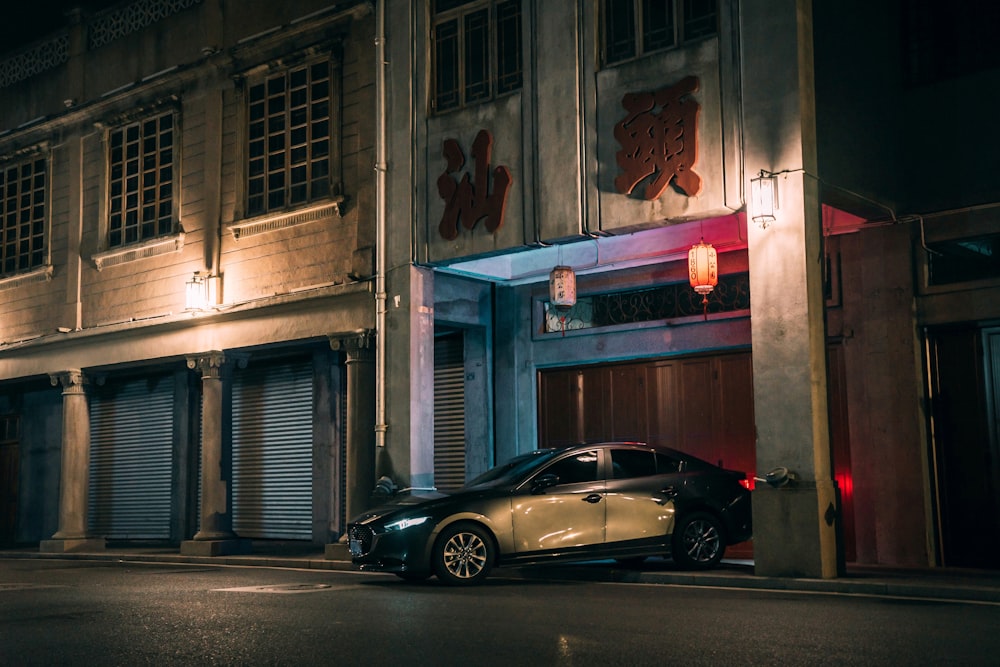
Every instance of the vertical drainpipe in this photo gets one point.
(380, 262)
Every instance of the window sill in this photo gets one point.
(272, 222)
(39, 275)
(135, 251)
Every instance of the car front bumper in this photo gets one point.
(391, 551)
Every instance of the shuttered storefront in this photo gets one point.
(449, 412)
(272, 451)
(131, 444)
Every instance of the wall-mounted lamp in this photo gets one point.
(703, 270)
(202, 292)
(764, 198)
(562, 287)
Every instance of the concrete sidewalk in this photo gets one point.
(932, 583)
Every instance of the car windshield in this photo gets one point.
(513, 470)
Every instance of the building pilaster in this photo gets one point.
(75, 473)
(215, 536)
(359, 347)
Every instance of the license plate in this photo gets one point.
(355, 547)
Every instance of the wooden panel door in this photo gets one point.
(627, 415)
(699, 405)
(735, 434)
(559, 408)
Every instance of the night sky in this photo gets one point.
(29, 20)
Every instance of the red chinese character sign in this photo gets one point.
(659, 139)
(469, 202)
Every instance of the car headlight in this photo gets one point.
(403, 524)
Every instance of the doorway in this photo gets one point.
(964, 376)
(9, 477)
(701, 405)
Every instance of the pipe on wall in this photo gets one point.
(380, 224)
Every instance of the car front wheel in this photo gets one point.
(463, 555)
(698, 541)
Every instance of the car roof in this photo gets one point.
(634, 444)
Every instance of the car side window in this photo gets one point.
(666, 464)
(628, 463)
(581, 467)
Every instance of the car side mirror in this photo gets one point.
(542, 482)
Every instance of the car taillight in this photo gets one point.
(747, 484)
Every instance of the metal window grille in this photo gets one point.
(633, 28)
(477, 51)
(509, 61)
(141, 183)
(963, 260)
(289, 137)
(22, 215)
(700, 19)
(665, 302)
(658, 27)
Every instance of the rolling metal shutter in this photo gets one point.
(131, 445)
(272, 451)
(449, 412)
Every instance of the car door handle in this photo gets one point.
(592, 498)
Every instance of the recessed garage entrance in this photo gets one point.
(700, 405)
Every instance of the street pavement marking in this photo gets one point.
(285, 588)
(25, 587)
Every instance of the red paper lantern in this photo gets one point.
(703, 269)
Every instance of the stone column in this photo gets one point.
(360, 477)
(794, 525)
(75, 474)
(216, 536)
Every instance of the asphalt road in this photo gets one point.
(109, 613)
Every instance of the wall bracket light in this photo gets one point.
(764, 198)
(202, 292)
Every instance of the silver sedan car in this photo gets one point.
(620, 500)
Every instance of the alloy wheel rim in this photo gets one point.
(702, 541)
(465, 555)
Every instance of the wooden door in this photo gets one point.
(699, 405)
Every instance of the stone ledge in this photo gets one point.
(212, 548)
(72, 545)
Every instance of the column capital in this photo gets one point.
(359, 343)
(210, 364)
(72, 380)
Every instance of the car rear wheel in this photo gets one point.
(463, 555)
(698, 541)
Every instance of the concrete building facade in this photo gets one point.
(187, 264)
(379, 192)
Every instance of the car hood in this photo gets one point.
(401, 501)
